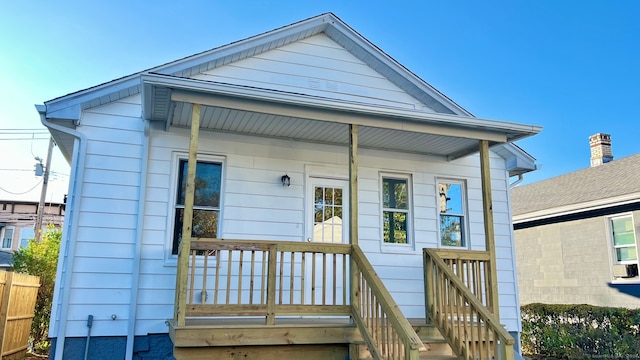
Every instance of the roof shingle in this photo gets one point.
(616, 178)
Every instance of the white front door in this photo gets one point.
(328, 210)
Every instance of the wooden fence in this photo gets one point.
(18, 294)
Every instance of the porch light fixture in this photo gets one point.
(286, 180)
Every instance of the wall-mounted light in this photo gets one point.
(286, 180)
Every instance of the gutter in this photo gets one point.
(68, 246)
(137, 256)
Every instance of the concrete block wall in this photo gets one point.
(568, 263)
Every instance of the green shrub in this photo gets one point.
(41, 259)
(579, 331)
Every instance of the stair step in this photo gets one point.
(439, 357)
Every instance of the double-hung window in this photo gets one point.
(206, 206)
(624, 240)
(395, 210)
(7, 237)
(452, 213)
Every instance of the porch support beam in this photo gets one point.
(489, 233)
(445, 127)
(185, 243)
(353, 210)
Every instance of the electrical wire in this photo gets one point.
(13, 193)
(12, 139)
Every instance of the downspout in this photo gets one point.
(514, 265)
(142, 191)
(68, 246)
(515, 183)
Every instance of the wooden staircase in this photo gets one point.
(435, 346)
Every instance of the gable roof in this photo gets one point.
(450, 131)
(67, 106)
(611, 184)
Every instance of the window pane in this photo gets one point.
(205, 224)
(626, 253)
(623, 231)
(451, 230)
(394, 227)
(207, 184)
(26, 234)
(394, 194)
(450, 198)
(7, 240)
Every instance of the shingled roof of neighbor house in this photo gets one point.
(609, 184)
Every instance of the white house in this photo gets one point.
(308, 133)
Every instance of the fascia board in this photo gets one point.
(383, 57)
(577, 208)
(242, 45)
(59, 105)
(478, 128)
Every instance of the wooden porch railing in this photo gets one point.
(269, 278)
(470, 328)
(383, 326)
(472, 268)
(266, 278)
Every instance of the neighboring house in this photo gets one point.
(18, 221)
(303, 135)
(6, 260)
(578, 233)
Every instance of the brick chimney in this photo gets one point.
(600, 145)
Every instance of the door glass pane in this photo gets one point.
(327, 214)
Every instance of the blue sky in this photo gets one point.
(570, 66)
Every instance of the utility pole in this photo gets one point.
(43, 194)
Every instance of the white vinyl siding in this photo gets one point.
(105, 240)
(316, 66)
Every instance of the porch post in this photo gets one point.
(487, 210)
(187, 221)
(353, 184)
(353, 211)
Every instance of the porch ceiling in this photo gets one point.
(216, 118)
(263, 112)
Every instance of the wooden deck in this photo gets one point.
(318, 338)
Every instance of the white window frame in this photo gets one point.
(613, 247)
(173, 190)
(395, 247)
(466, 241)
(13, 236)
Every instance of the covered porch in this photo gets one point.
(326, 297)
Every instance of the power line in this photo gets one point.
(22, 193)
(24, 129)
(34, 138)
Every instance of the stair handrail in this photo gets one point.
(391, 312)
(433, 263)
